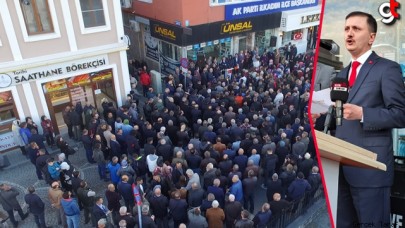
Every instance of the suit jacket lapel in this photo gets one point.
(362, 75)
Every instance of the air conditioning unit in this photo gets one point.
(126, 3)
(134, 25)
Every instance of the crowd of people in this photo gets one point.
(193, 155)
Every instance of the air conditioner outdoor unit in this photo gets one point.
(134, 26)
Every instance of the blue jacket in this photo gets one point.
(25, 135)
(262, 218)
(70, 207)
(237, 190)
(297, 189)
(113, 172)
(125, 189)
(54, 170)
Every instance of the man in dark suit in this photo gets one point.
(99, 211)
(36, 206)
(376, 104)
(178, 209)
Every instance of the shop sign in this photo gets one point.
(209, 43)
(232, 27)
(216, 41)
(203, 44)
(310, 18)
(252, 9)
(168, 65)
(166, 32)
(196, 46)
(7, 141)
(28, 75)
(389, 12)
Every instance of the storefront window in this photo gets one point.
(212, 49)
(170, 50)
(88, 88)
(8, 111)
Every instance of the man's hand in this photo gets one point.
(352, 112)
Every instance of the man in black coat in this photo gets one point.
(195, 195)
(76, 180)
(147, 221)
(130, 221)
(274, 185)
(164, 149)
(42, 165)
(178, 209)
(76, 121)
(88, 146)
(39, 139)
(278, 204)
(86, 199)
(115, 146)
(36, 207)
(159, 204)
(233, 211)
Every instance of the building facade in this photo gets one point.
(58, 53)
(170, 33)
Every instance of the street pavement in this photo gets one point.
(21, 174)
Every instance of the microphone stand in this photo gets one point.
(328, 119)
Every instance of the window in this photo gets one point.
(8, 111)
(126, 3)
(148, 1)
(93, 13)
(229, 2)
(169, 50)
(37, 16)
(93, 16)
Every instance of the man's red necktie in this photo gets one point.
(353, 74)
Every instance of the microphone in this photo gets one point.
(339, 94)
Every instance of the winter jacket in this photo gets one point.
(113, 168)
(8, 199)
(70, 207)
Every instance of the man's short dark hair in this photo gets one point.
(31, 189)
(372, 23)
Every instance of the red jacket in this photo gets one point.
(145, 79)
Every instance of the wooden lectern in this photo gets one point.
(334, 151)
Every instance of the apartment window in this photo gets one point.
(37, 16)
(93, 16)
(93, 13)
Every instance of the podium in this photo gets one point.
(334, 151)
